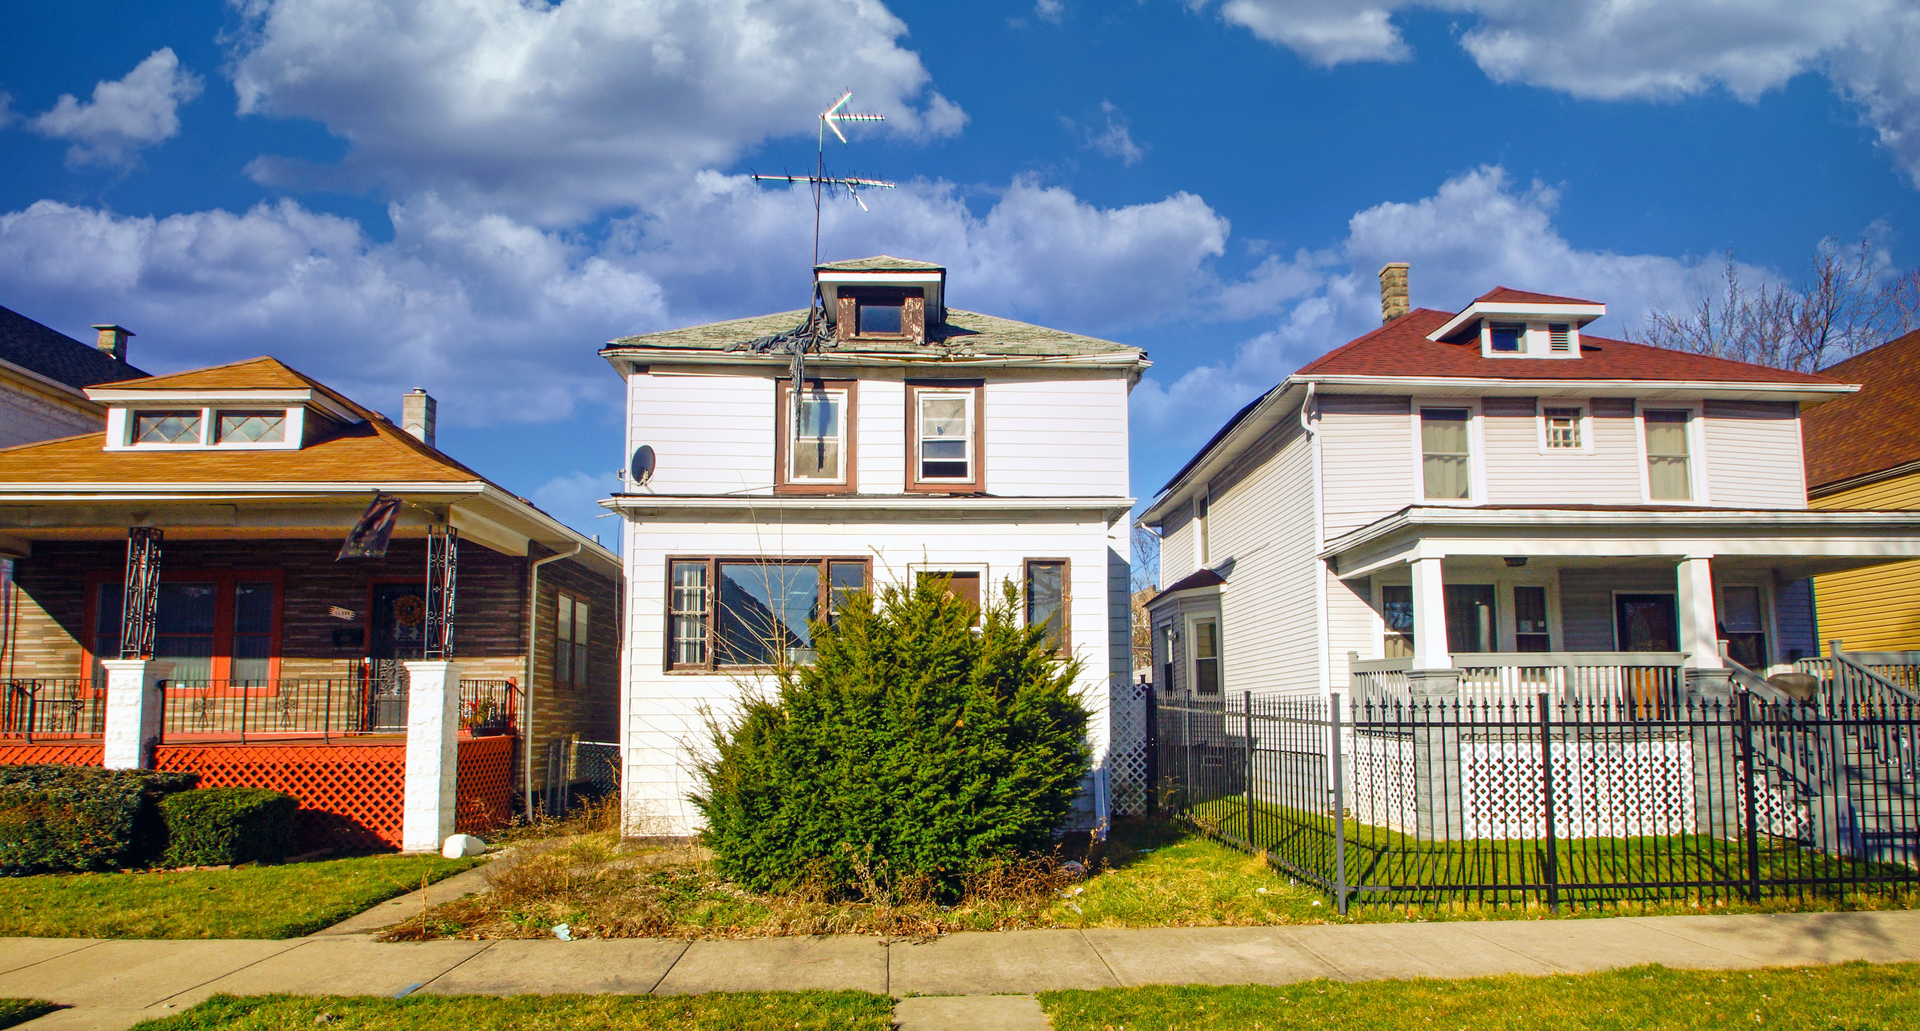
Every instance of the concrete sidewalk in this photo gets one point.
(113, 984)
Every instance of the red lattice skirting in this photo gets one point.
(350, 794)
(483, 790)
(63, 753)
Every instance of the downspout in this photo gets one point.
(526, 712)
(1307, 414)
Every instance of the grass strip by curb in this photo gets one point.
(1848, 997)
(19, 1011)
(714, 1011)
(283, 901)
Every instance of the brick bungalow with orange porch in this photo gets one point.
(266, 659)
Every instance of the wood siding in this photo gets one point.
(1876, 608)
(1366, 459)
(1753, 455)
(1051, 437)
(1520, 473)
(1264, 522)
(1351, 626)
(710, 433)
(1179, 546)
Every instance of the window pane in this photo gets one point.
(1446, 477)
(563, 618)
(183, 632)
(1446, 467)
(816, 437)
(1740, 609)
(687, 596)
(1667, 479)
(1667, 433)
(252, 657)
(1470, 618)
(579, 622)
(945, 445)
(1046, 598)
(879, 316)
(1206, 657)
(252, 427)
(562, 662)
(580, 665)
(845, 578)
(1530, 620)
(1396, 612)
(1507, 335)
(764, 612)
(166, 427)
(253, 607)
(1563, 427)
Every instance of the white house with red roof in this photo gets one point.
(1496, 500)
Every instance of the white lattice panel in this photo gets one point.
(1127, 754)
(1380, 780)
(1779, 812)
(1602, 789)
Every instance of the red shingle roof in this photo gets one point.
(1508, 295)
(1401, 348)
(1877, 428)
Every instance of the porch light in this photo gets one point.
(1516, 561)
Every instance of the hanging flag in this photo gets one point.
(370, 535)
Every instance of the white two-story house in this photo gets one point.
(1435, 504)
(922, 440)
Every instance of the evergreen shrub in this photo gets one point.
(76, 818)
(916, 749)
(216, 826)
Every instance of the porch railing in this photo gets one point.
(324, 707)
(1627, 683)
(489, 707)
(53, 708)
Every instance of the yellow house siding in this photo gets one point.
(1877, 608)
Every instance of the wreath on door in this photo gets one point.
(409, 610)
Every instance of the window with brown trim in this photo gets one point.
(1048, 599)
(570, 622)
(960, 584)
(814, 450)
(882, 313)
(213, 625)
(752, 612)
(945, 431)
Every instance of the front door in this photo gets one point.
(1646, 623)
(399, 624)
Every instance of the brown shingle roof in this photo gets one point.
(1875, 429)
(963, 332)
(1503, 294)
(372, 451)
(1401, 348)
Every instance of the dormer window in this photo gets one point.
(884, 299)
(878, 316)
(264, 427)
(1516, 324)
(1509, 337)
(209, 427)
(175, 427)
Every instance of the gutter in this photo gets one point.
(526, 711)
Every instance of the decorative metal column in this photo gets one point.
(443, 567)
(139, 606)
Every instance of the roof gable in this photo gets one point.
(1509, 295)
(57, 356)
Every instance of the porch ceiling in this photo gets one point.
(1798, 542)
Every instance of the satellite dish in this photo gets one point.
(642, 468)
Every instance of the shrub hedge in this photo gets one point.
(77, 818)
(916, 749)
(215, 826)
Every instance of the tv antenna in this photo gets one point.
(830, 121)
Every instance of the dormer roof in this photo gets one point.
(1507, 294)
(1508, 305)
(880, 263)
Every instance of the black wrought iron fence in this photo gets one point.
(52, 708)
(1532, 800)
(247, 709)
(489, 707)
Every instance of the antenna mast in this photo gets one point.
(830, 120)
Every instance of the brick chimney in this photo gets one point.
(1393, 291)
(113, 340)
(417, 410)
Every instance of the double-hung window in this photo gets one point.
(816, 437)
(943, 436)
(570, 622)
(1669, 458)
(1446, 452)
(726, 612)
(1206, 656)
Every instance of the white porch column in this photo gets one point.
(133, 712)
(433, 754)
(1699, 629)
(1429, 616)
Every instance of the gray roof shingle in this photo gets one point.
(880, 263)
(964, 333)
(57, 356)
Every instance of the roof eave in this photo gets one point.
(1598, 387)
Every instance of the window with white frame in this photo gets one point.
(1562, 428)
(815, 438)
(1446, 450)
(261, 427)
(1669, 455)
(186, 427)
(1204, 648)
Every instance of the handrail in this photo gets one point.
(1818, 779)
(1875, 680)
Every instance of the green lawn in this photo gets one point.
(715, 1011)
(247, 902)
(19, 1011)
(1852, 997)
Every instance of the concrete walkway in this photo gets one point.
(112, 984)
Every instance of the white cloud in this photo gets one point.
(1053, 11)
(138, 110)
(1609, 50)
(1478, 231)
(553, 112)
(1113, 139)
(574, 499)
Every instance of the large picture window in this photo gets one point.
(214, 626)
(725, 612)
(944, 436)
(816, 437)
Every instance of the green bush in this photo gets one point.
(915, 750)
(76, 818)
(216, 826)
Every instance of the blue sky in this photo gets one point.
(470, 195)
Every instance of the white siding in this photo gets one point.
(1366, 447)
(1753, 454)
(1520, 473)
(1351, 626)
(662, 718)
(882, 426)
(711, 433)
(1179, 547)
(30, 415)
(1048, 437)
(1269, 616)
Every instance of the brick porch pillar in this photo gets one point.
(133, 712)
(433, 754)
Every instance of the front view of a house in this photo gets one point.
(1436, 504)
(918, 440)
